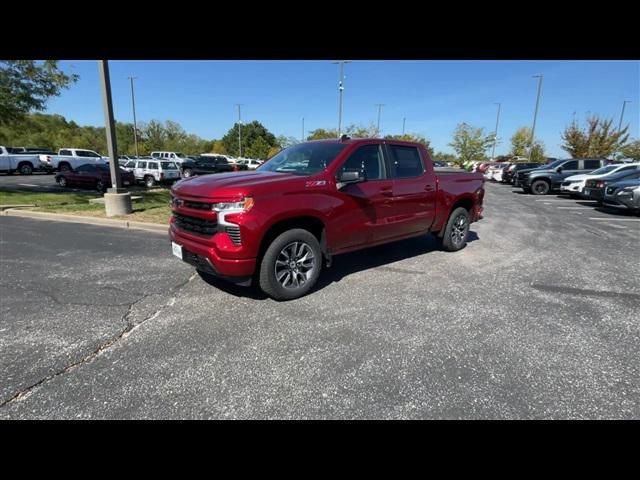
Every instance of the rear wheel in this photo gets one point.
(64, 167)
(100, 186)
(540, 187)
(62, 181)
(457, 230)
(149, 181)
(290, 265)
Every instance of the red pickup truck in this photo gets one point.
(282, 222)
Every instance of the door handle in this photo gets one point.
(387, 192)
(429, 188)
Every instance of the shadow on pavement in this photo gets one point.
(349, 263)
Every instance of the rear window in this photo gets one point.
(405, 162)
(153, 165)
(168, 166)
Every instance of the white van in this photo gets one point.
(177, 157)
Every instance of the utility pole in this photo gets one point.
(535, 114)
(379, 105)
(622, 113)
(495, 132)
(404, 120)
(239, 130)
(117, 200)
(135, 125)
(302, 138)
(340, 89)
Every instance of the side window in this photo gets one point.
(153, 166)
(91, 154)
(142, 164)
(572, 165)
(80, 153)
(591, 164)
(405, 162)
(65, 152)
(367, 159)
(130, 164)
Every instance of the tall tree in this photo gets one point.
(470, 143)
(26, 85)
(251, 132)
(520, 142)
(413, 137)
(597, 140)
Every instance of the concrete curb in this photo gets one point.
(6, 207)
(104, 222)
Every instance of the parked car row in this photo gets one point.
(612, 185)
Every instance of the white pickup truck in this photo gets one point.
(71, 158)
(24, 163)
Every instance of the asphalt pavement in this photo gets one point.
(538, 317)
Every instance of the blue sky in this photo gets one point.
(434, 96)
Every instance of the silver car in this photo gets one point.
(624, 195)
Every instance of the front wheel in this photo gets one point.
(540, 187)
(149, 181)
(100, 186)
(187, 172)
(457, 230)
(62, 181)
(26, 169)
(291, 265)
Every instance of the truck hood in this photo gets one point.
(575, 178)
(232, 184)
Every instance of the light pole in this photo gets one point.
(624, 104)
(495, 132)
(117, 200)
(340, 89)
(135, 125)
(379, 105)
(535, 114)
(239, 130)
(404, 121)
(302, 138)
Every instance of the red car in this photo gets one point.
(312, 201)
(91, 175)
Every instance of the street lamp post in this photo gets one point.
(379, 105)
(340, 89)
(117, 200)
(495, 132)
(239, 130)
(535, 114)
(404, 121)
(302, 138)
(135, 124)
(624, 104)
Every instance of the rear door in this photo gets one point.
(414, 189)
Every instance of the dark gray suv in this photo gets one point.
(549, 177)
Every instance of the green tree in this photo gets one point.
(470, 143)
(444, 157)
(26, 85)
(597, 140)
(413, 137)
(520, 142)
(321, 134)
(631, 150)
(251, 132)
(283, 141)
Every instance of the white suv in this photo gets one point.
(177, 157)
(153, 171)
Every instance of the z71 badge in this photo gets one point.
(315, 183)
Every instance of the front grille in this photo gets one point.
(196, 225)
(234, 233)
(197, 205)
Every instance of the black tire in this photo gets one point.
(25, 169)
(540, 187)
(149, 181)
(100, 186)
(187, 172)
(457, 230)
(286, 243)
(64, 167)
(62, 181)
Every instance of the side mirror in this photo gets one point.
(350, 176)
(559, 170)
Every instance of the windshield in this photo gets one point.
(604, 170)
(304, 158)
(168, 166)
(552, 165)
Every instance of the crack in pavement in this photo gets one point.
(57, 301)
(127, 330)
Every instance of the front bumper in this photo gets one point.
(571, 188)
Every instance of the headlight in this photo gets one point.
(625, 192)
(242, 206)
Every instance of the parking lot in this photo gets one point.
(536, 318)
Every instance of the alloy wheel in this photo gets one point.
(295, 265)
